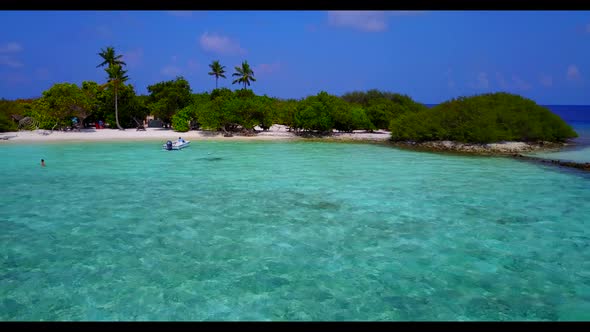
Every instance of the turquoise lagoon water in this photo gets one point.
(288, 231)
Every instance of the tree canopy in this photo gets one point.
(217, 70)
(167, 97)
(245, 74)
(483, 119)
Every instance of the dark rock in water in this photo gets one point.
(581, 166)
(516, 220)
(321, 205)
(326, 206)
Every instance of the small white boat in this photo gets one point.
(175, 145)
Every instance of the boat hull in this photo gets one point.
(176, 146)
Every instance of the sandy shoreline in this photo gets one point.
(281, 133)
(276, 132)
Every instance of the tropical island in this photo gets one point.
(490, 123)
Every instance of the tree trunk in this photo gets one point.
(216, 79)
(117, 111)
(81, 122)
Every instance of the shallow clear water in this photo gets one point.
(288, 231)
(579, 153)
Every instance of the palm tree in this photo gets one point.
(110, 58)
(245, 74)
(117, 76)
(115, 71)
(217, 70)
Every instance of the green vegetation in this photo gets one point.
(61, 103)
(382, 107)
(482, 119)
(10, 111)
(166, 98)
(244, 74)
(116, 74)
(217, 70)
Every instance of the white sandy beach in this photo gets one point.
(276, 132)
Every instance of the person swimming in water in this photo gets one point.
(43, 162)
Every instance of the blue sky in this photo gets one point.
(430, 55)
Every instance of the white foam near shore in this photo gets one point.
(276, 132)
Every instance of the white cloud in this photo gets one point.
(220, 44)
(7, 55)
(267, 68)
(14, 78)
(11, 48)
(368, 21)
(516, 83)
(171, 71)
(482, 81)
(519, 83)
(10, 62)
(546, 80)
(573, 73)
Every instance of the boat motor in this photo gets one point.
(169, 145)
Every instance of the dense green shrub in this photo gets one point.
(482, 119)
(324, 112)
(9, 108)
(6, 123)
(285, 111)
(182, 119)
(382, 107)
(168, 97)
(352, 118)
(314, 113)
(230, 111)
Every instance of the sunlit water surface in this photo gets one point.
(288, 231)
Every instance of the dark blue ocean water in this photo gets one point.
(578, 116)
(571, 113)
